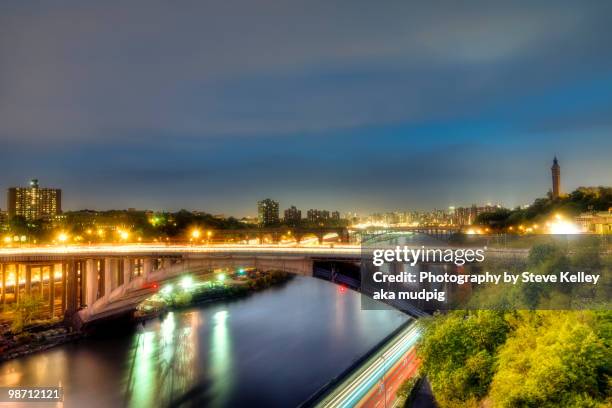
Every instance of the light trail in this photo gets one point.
(357, 386)
(170, 249)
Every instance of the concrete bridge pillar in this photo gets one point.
(147, 267)
(109, 276)
(91, 282)
(28, 280)
(64, 267)
(118, 273)
(52, 290)
(17, 284)
(127, 270)
(71, 288)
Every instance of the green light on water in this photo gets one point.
(221, 355)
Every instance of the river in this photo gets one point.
(272, 349)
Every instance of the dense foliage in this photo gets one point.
(581, 200)
(146, 225)
(525, 358)
(519, 359)
(458, 352)
(553, 359)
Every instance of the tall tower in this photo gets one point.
(556, 178)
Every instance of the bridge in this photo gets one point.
(278, 234)
(86, 283)
(93, 282)
(338, 233)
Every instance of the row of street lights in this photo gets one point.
(196, 234)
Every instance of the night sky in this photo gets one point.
(350, 105)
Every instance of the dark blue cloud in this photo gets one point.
(350, 105)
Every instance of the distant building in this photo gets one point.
(463, 216)
(34, 202)
(556, 178)
(267, 212)
(599, 222)
(317, 216)
(468, 215)
(3, 220)
(293, 216)
(335, 215)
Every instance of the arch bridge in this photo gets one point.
(84, 284)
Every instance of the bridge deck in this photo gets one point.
(28, 254)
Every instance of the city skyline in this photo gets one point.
(555, 191)
(362, 109)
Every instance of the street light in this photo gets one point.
(196, 233)
(124, 235)
(62, 237)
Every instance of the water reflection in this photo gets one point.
(162, 363)
(221, 358)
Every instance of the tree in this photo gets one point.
(18, 225)
(24, 312)
(581, 200)
(552, 359)
(458, 354)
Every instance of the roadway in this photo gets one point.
(328, 251)
(145, 249)
(375, 382)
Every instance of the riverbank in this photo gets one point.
(36, 337)
(238, 285)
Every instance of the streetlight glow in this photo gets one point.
(563, 227)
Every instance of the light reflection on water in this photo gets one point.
(274, 348)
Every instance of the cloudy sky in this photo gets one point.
(349, 105)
